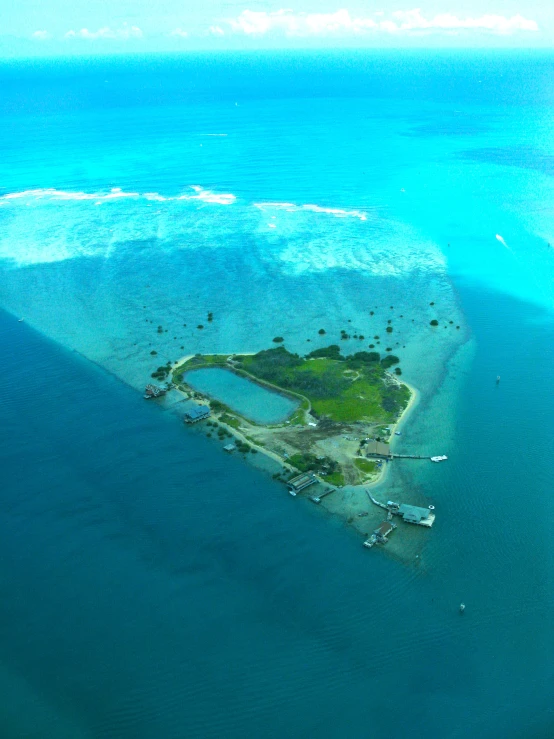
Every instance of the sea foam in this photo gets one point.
(116, 193)
(310, 207)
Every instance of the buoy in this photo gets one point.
(497, 379)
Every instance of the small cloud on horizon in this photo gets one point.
(125, 32)
(179, 33)
(216, 31)
(41, 35)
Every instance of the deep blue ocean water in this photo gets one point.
(151, 586)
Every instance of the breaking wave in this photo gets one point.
(116, 193)
(309, 207)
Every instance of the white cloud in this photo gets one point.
(217, 30)
(125, 32)
(409, 20)
(290, 23)
(178, 32)
(41, 35)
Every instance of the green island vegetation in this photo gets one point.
(325, 378)
(343, 402)
(324, 467)
(162, 372)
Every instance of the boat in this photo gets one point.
(398, 433)
(462, 607)
(497, 379)
(20, 319)
(439, 458)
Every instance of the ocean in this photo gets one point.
(151, 586)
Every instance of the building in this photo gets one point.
(300, 482)
(415, 514)
(380, 534)
(154, 391)
(197, 413)
(384, 530)
(378, 449)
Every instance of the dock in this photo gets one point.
(381, 450)
(409, 456)
(318, 498)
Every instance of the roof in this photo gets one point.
(229, 447)
(302, 480)
(302, 476)
(413, 513)
(197, 411)
(384, 529)
(378, 448)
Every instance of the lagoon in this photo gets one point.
(245, 397)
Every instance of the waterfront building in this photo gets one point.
(302, 481)
(197, 413)
(378, 449)
(415, 514)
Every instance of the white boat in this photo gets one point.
(20, 319)
(462, 607)
(439, 458)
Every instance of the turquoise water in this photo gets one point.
(151, 586)
(251, 400)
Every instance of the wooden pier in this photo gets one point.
(408, 456)
(318, 498)
(376, 502)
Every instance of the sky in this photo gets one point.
(90, 27)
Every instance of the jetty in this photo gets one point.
(409, 513)
(381, 450)
(318, 498)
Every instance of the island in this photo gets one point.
(343, 410)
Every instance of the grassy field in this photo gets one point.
(366, 465)
(355, 388)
